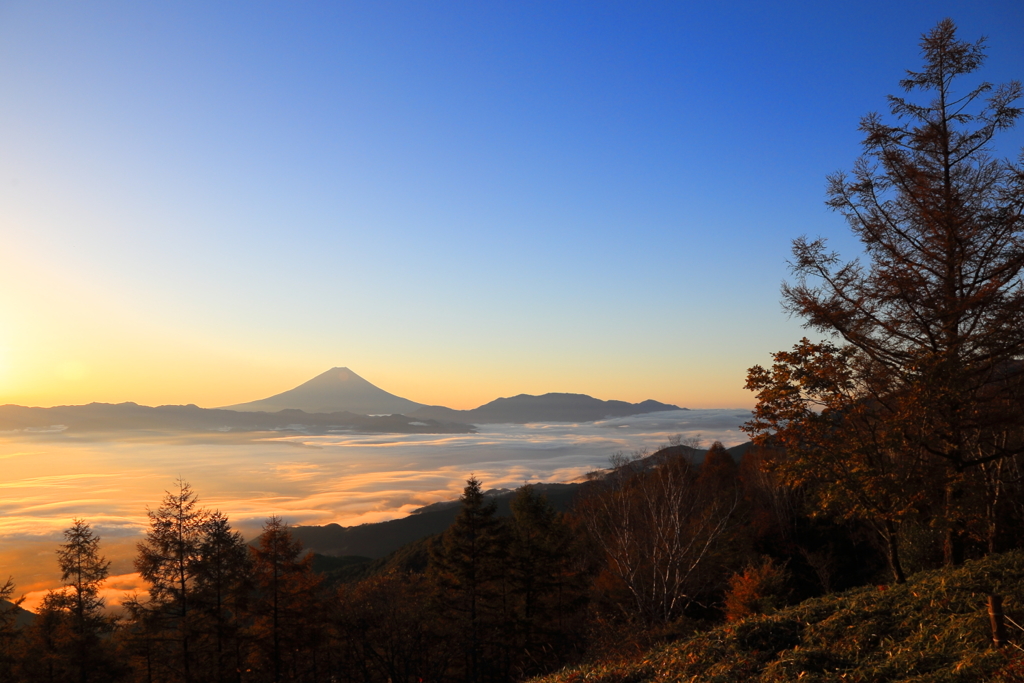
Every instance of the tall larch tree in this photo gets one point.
(546, 587)
(287, 618)
(223, 582)
(83, 569)
(468, 570)
(169, 560)
(932, 320)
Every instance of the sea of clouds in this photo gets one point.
(111, 480)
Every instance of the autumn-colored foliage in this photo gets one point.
(899, 420)
(896, 439)
(286, 627)
(759, 589)
(932, 628)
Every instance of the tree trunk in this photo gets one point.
(892, 547)
(952, 542)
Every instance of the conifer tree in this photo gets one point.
(546, 589)
(46, 655)
(169, 560)
(719, 470)
(468, 569)
(83, 569)
(10, 634)
(387, 630)
(287, 626)
(67, 639)
(932, 326)
(223, 580)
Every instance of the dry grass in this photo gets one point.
(933, 628)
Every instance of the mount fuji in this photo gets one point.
(337, 390)
(340, 389)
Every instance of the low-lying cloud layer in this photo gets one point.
(344, 478)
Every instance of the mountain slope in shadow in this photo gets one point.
(383, 538)
(380, 539)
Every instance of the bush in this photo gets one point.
(758, 589)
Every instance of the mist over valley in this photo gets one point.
(109, 463)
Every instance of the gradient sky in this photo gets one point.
(212, 202)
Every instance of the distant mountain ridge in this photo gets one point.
(554, 407)
(99, 417)
(336, 400)
(340, 389)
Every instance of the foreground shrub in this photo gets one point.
(758, 589)
(933, 628)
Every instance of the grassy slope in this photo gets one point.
(934, 628)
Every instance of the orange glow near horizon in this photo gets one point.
(65, 340)
(114, 590)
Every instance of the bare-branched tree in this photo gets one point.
(657, 527)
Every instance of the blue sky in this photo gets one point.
(212, 202)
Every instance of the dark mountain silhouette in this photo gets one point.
(546, 408)
(380, 539)
(22, 617)
(337, 390)
(340, 389)
(101, 417)
(338, 399)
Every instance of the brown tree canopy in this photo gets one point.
(920, 384)
(847, 453)
(938, 306)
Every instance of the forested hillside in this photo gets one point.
(647, 549)
(936, 627)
